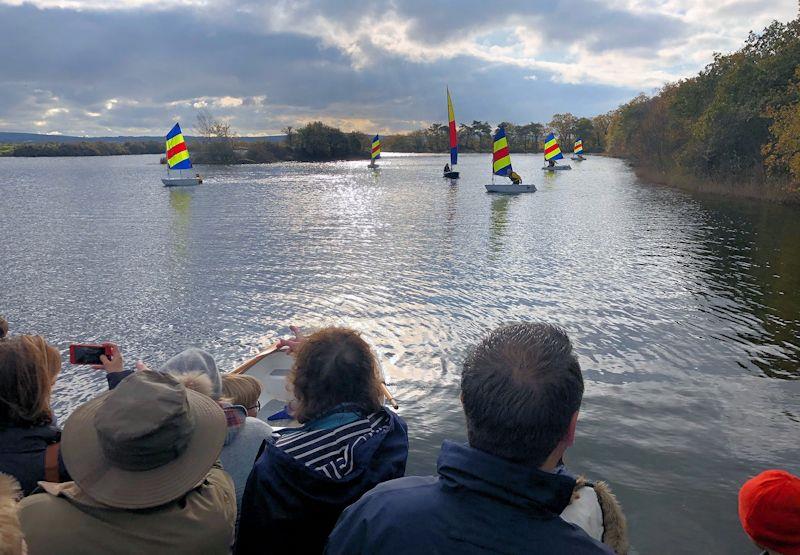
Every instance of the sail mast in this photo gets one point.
(451, 119)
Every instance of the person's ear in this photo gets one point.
(573, 423)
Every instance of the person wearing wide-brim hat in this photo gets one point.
(143, 458)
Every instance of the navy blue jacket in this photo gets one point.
(22, 450)
(478, 504)
(288, 507)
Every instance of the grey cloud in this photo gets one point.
(157, 62)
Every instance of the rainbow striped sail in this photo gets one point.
(451, 118)
(501, 158)
(578, 148)
(551, 149)
(376, 147)
(177, 153)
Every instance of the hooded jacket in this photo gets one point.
(291, 501)
(596, 510)
(479, 503)
(11, 540)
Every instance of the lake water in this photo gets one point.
(685, 312)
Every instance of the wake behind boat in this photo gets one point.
(450, 170)
(552, 152)
(501, 165)
(271, 368)
(178, 159)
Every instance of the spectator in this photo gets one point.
(242, 390)
(521, 389)
(29, 434)
(769, 509)
(142, 458)
(348, 444)
(197, 370)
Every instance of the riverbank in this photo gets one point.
(86, 148)
(755, 190)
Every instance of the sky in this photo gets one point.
(132, 67)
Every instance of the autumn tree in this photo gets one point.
(563, 125)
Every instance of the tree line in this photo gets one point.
(529, 137)
(313, 142)
(736, 123)
(316, 141)
(85, 148)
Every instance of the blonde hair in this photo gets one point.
(241, 389)
(28, 369)
(196, 381)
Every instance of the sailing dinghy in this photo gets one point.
(271, 367)
(501, 165)
(577, 150)
(375, 152)
(552, 152)
(450, 171)
(178, 159)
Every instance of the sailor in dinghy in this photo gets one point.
(577, 150)
(450, 171)
(178, 159)
(501, 165)
(552, 152)
(375, 152)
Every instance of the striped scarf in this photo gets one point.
(331, 451)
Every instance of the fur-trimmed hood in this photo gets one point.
(596, 510)
(11, 540)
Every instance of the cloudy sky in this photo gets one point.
(100, 67)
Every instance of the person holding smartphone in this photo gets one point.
(30, 437)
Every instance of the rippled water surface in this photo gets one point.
(685, 311)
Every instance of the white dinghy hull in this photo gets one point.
(510, 188)
(556, 168)
(181, 181)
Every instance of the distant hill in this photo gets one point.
(22, 138)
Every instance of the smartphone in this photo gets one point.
(87, 354)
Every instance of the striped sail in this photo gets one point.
(501, 158)
(177, 153)
(376, 147)
(451, 118)
(551, 149)
(578, 148)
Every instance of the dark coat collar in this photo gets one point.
(509, 482)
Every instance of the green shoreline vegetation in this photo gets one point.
(732, 129)
(84, 148)
(319, 142)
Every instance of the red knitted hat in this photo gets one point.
(769, 508)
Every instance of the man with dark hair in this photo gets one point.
(521, 389)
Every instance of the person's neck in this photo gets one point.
(551, 463)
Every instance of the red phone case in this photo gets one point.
(72, 360)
